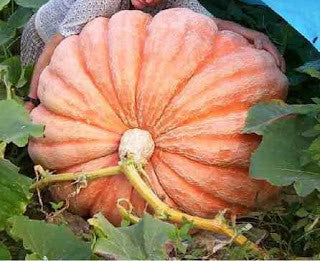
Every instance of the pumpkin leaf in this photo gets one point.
(141, 241)
(48, 241)
(6, 34)
(14, 192)
(282, 157)
(34, 4)
(311, 68)
(15, 125)
(4, 252)
(3, 3)
(19, 18)
(10, 71)
(262, 115)
(278, 158)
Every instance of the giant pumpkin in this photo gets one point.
(174, 81)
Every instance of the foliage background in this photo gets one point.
(288, 156)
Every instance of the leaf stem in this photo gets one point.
(50, 179)
(127, 214)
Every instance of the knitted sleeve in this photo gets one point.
(194, 5)
(83, 11)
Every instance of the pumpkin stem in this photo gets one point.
(138, 143)
(128, 167)
(50, 179)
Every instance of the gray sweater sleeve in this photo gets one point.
(83, 11)
(194, 5)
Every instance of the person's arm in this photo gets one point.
(260, 40)
(42, 62)
(79, 14)
(83, 11)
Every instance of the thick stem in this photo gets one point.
(101, 173)
(162, 209)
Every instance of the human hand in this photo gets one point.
(259, 40)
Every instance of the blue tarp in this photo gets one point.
(303, 15)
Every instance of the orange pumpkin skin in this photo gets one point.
(174, 75)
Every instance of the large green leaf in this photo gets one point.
(262, 115)
(14, 192)
(281, 157)
(34, 4)
(49, 241)
(144, 240)
(19, 18)
(15, 125)
(10, 70)
(3, 3)
(278, 158)
(6, 34)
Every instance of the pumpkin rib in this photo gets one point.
(93, 164)
(64, 155)
(216, 99)
(181, 192)
(68, 63)
(235, 107)
(85, 67)
(92, 37)
(68, 129)
(118, 187)
(82, 166)
(188, 96)
(131, 27)
(67, 85)
(82, 121)
(163, 52)
(138, 203)
(43, 89)
(201, 67)
(74, 92)
(235, 73)
(156, 186)
(70, 142)
(217, 151)
(228, 184)
(235, 121)
(183, 84)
